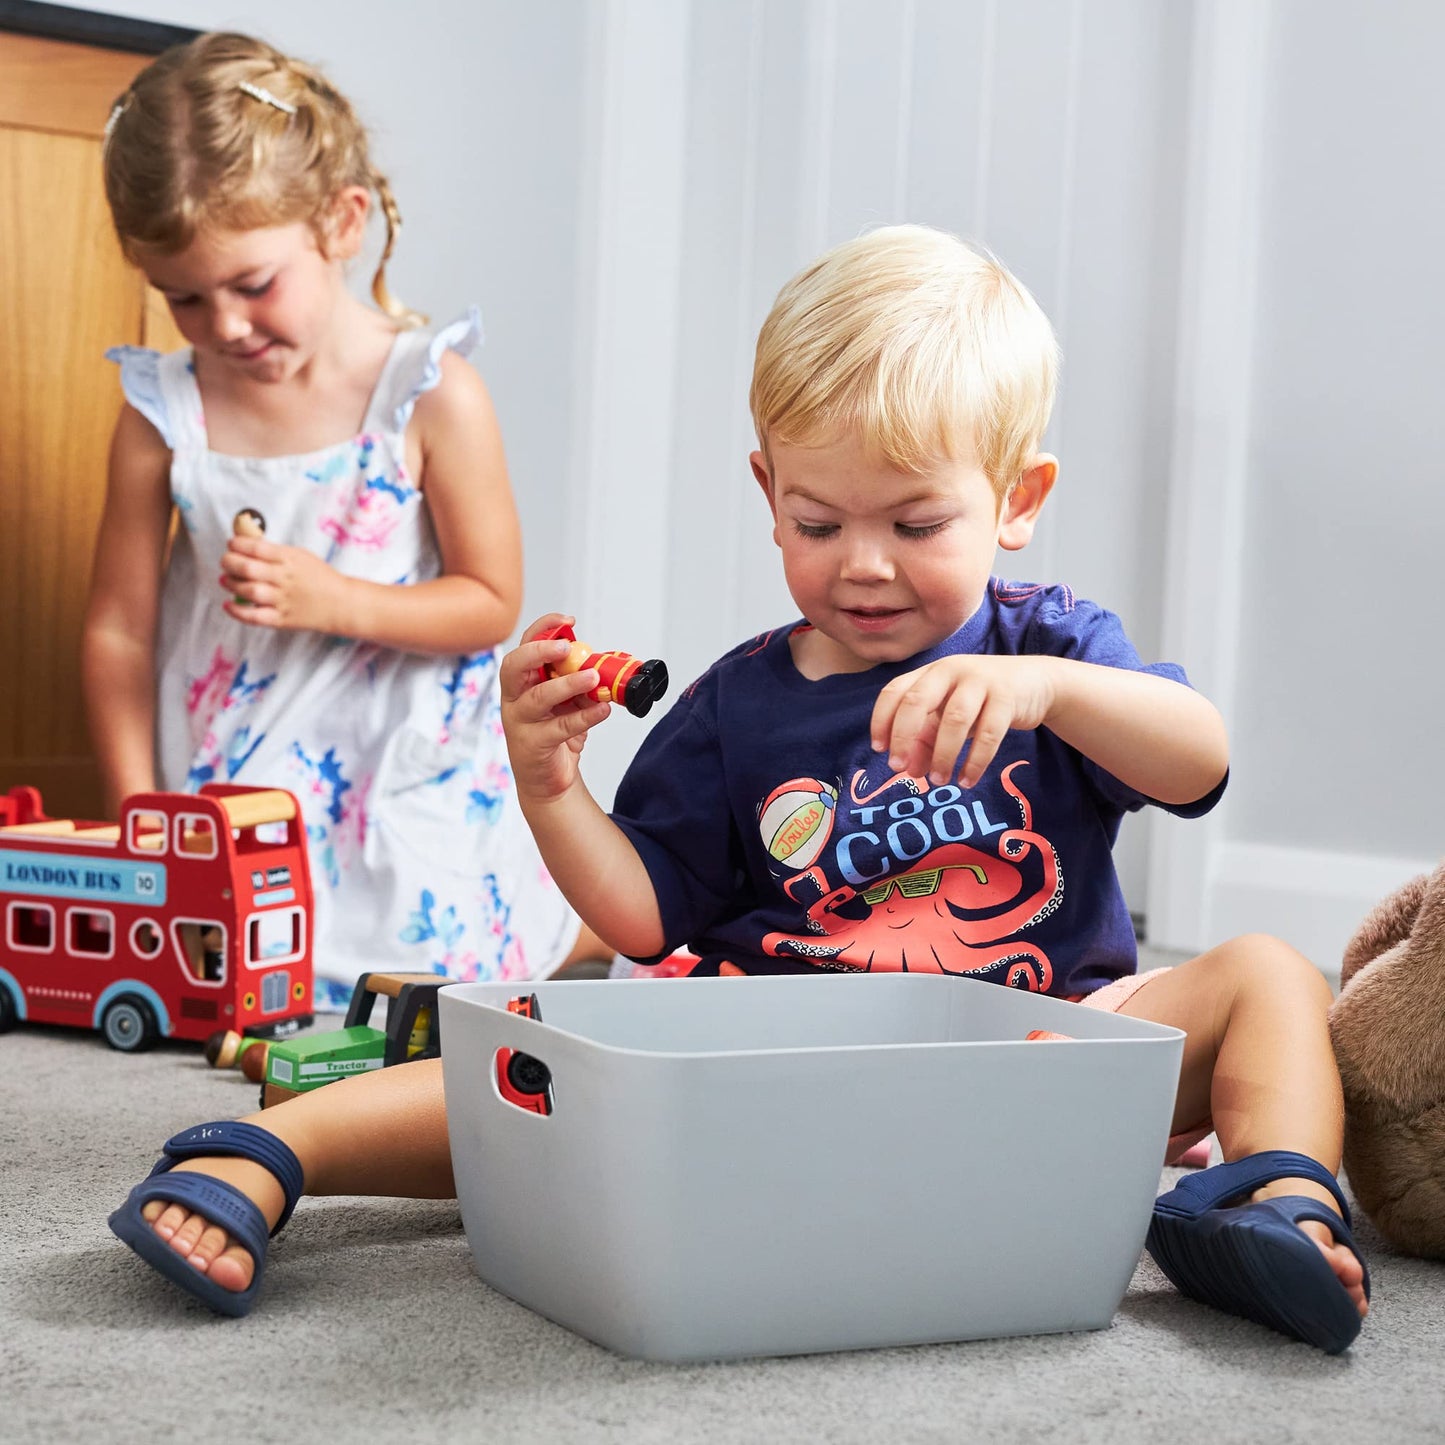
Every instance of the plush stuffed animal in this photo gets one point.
(1388, 1026)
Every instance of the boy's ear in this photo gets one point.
(759, 463)
(346, 223)
(1021, 508)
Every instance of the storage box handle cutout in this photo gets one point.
(522, 1079)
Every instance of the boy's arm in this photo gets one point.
(590, 857)
(474, 603)
(117, 650)
(1157, 736)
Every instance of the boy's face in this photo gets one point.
(886, 563)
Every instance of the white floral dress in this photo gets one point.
(420, 858)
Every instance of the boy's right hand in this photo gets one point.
(546, 719)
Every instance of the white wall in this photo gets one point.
(1047, 130)
(1222, 204)
(1342, 690)
(1309, 520)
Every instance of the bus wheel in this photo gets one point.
(7, 1010)
(129, 1024)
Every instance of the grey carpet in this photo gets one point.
(373, 1326)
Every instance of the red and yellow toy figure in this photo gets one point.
(622, 677)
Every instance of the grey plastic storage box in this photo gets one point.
(774, 1166)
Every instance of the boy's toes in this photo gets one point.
(168, 1220)
(215, 1256)
(188, 1233)
(232, 1268)
(1342, 1260)
(205, 1246)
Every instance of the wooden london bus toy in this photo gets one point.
(191, 914)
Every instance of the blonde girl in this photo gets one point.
(347, 556)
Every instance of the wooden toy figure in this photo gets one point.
(213, 953)
(226, 1049)
(248, 522)
(623, 678)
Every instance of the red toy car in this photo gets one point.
(521, 1079)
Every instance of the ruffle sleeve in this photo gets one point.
(140, 380)
(463, 336)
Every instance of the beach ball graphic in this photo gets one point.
(797, 820)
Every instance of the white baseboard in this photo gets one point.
(1314, 900)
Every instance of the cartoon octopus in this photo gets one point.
(956, 912)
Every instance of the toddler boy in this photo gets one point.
(928, 770)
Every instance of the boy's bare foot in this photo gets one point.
(205, 1245)
(1341, 1258)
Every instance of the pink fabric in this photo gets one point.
(1111, 998)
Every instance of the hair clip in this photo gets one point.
(116, 111)
(259, 92)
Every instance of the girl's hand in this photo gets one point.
(546, 719)
(923, 718)
(289, 588)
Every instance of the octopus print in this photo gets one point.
(896, 886)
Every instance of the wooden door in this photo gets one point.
(66, 294)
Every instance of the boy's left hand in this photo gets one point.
(923, 718)
(288, 588)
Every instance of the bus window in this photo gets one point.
(262, 835)
(203, 948)
(92, 932)
(196, 836)
(273, 937)
(145, 939)
(32, 926)
(146, 832)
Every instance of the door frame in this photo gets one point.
(91, 27)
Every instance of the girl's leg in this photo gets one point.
(1258, 1061)
(377, 1133)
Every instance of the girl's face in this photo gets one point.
(258, 301)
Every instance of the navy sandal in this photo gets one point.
(1253, 1259)
(220, 1203)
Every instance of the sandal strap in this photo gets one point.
(232, 1138)
(1211, 1188)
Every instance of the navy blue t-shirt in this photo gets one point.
(778, 840)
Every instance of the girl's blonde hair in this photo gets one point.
(190, 147)
(915, 343)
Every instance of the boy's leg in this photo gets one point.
(377, 1133)
(1258, 1061)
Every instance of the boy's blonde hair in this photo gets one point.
(189, 147)
(917, 344)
